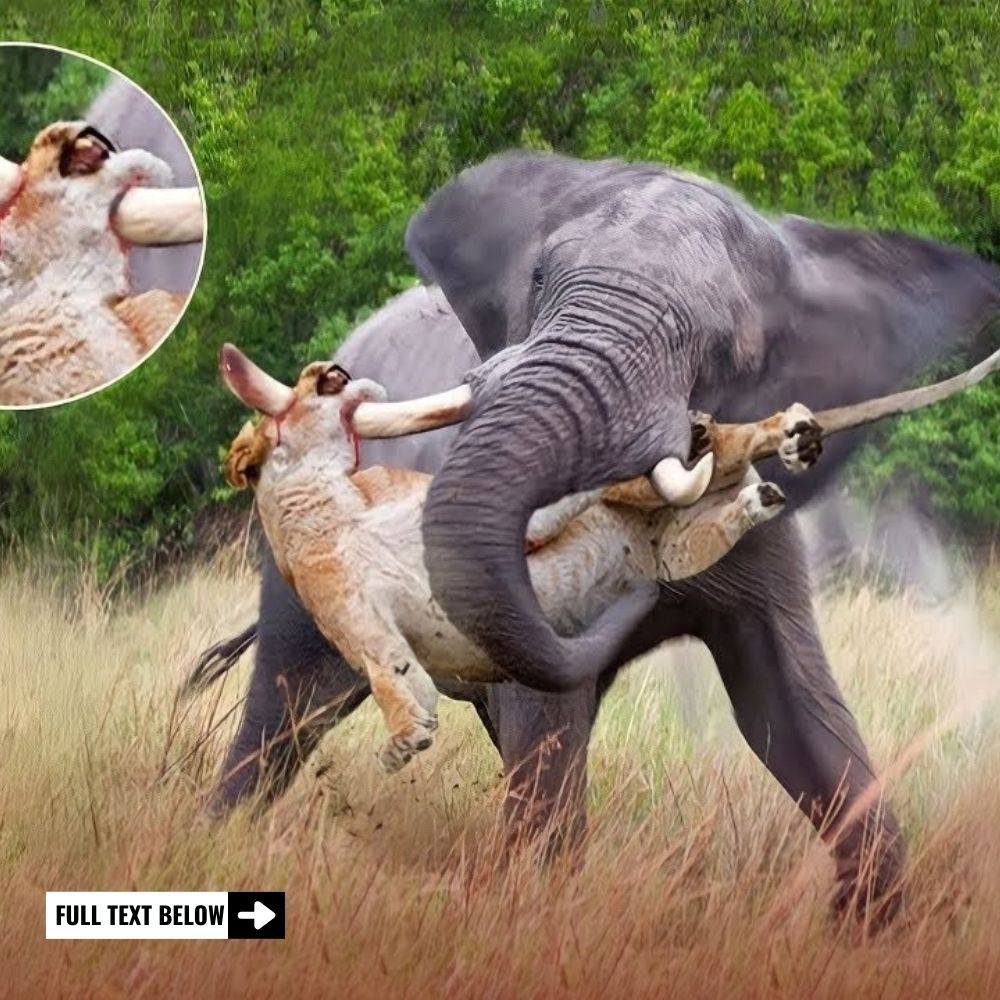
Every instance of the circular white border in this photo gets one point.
(28, 407)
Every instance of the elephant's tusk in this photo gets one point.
(10, 179)
(161, 216)
(411, 416)
(253, 385)
(680, 487)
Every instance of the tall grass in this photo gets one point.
(700, 878)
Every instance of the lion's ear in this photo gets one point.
(246, 456)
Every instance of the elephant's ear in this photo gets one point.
(479, 236)
(868, 310)
(862, 314)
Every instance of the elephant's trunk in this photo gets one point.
(560, 422)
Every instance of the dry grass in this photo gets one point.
(701, 879)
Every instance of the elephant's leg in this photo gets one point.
(296, 673)
(482, 706)
(543, 742)
(792, 714)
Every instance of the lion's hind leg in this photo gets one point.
(793, 434)
(355, 622)
(547, 523)
(696, 538)
(407, 697)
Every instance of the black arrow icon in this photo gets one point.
(256, 915)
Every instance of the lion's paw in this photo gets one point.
(401, 747)
(761, 502)
(702, 434)
(803, 443)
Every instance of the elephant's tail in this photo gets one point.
(218, 660)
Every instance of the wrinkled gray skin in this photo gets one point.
(132, 121)
(860, 314)
(633, 292)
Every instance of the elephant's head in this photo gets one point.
(603, 297)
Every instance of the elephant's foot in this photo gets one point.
(869, 883)
(803, 439)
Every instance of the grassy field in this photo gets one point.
(701, 878)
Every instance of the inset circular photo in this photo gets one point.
(102, 225)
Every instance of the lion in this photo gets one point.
(349, 542)
(68, 323)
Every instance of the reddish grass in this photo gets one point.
(701, 878)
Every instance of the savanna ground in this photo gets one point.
(701, 879)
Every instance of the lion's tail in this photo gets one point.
(218, 660)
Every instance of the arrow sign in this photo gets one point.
(260, 915)
(256, 915)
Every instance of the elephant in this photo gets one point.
(602, 300)
(609, 298)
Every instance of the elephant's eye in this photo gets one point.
(538, 277)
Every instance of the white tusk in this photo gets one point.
(680, 487)
(10, 179)
(160, 216)
(411, 416)
(251, 384)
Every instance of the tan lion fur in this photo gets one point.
(68, 323)
(350, 544)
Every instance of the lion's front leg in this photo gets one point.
(733, 447)
(793, 434)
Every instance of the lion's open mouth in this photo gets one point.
(86, 153)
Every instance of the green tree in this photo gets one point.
(319, 125)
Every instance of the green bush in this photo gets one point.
(319, 125)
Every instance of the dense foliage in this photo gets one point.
(319, 125)
(42, 86)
